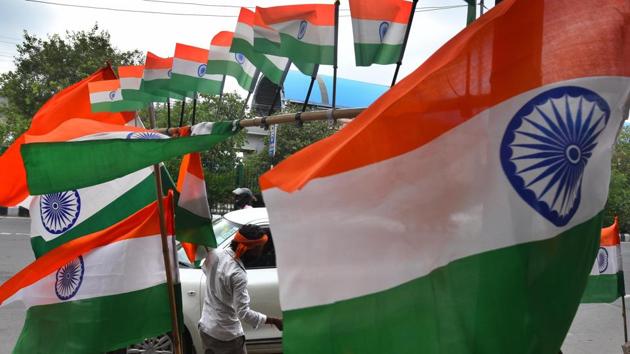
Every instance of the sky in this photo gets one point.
(159, 33)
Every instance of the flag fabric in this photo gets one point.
(222, 62)
(464, 205)
(193, 221)
(190, 71)
(243, 42)
(379, 30)
(106, 96)
(96, 153)
(303, 33)
(96, 294)
(156, 77)
(130, 77)
(606, 283)
(71, 102)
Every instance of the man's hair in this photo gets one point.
(250, 232)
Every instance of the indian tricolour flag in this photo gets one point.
(303, 33)
(99, 293)
(156, 77)
(606, 284)
(190, 71)
(106, 96)
(379, 30)
(222, 62)
(130, 77)
(461, 211)
(243, 42)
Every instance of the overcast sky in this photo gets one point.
(159, 33)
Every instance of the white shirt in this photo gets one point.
(227, 301)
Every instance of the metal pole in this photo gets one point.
(625, 321)
(481, 7)
(275, 97)
(334, 98)
(251, 90)
(218, 110)
(181, 113)
(404, 46)
(194, 112)
(167, 258)
(168, 112)
(310, 87)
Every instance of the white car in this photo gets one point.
(262, 286)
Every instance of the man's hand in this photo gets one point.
(275, 321)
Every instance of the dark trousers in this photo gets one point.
(214, 346)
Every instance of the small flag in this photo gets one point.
(379, 30)
(98, 293)
(106, 96)
(465, 204)
(302, 33)
(130, 77)
(156, 77)
(222, 62)
(96, 153)
(190, 71)
(606, 284)
(193, 221)
(243, 42)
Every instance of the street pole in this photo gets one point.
(165, 251)
(404, 46)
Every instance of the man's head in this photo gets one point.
(243, 197)
(249, 241)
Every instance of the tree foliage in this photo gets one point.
(44, 66)
(619, 193)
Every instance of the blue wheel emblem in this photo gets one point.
(146, 135)
(240, 58)
(169, 73)
(547, 145)
(302, 30)
(602, 260)
(201, 70)
(382, 30)
(112, 95)
(59, 211)
(68, 279)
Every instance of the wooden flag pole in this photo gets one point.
(334, 98)
(165, 251)
(251, 90)
(181, 113)
(310, 87)
(404, 46)
(277, 95)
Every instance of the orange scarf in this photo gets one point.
(245, 244)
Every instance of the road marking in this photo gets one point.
(5, 233)
(19, 233)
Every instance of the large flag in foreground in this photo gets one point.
(461, 211)
(606, 284)
(93, 153)
(379, 30)
(98, 293)
(71, 102)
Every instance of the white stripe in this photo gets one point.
(220, 53)
(368, 32)
(317, 35)
(213, 77)
(203, 128)
(244, 32)
(278, 62)
(92, 200)
(193, 196)
(186, 67)
(610, 258)
(381, 225)
(155, 74)
(130, 83)
(121, 135)
(263, 32)
(106, 96)
(117, 268)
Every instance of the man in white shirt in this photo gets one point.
(227, 301)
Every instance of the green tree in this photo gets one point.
(618, 203)
(43, 66)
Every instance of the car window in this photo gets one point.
(267, 259)
(224, 229)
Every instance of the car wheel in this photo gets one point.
(162, 344)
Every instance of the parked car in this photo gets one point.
(262, 286)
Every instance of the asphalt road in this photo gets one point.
(596, 329)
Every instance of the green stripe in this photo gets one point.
(296, 50)
(95, 325)
(260, 61)
(117, 106)
(61, 166)
(224, 67)
(604, 288)
(161, 87)
(140, 96)
(194, 228)
(189, 84)
(368, 54)
(518, 299)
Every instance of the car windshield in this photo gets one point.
(223, 231)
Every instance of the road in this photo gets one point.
(597, 328)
